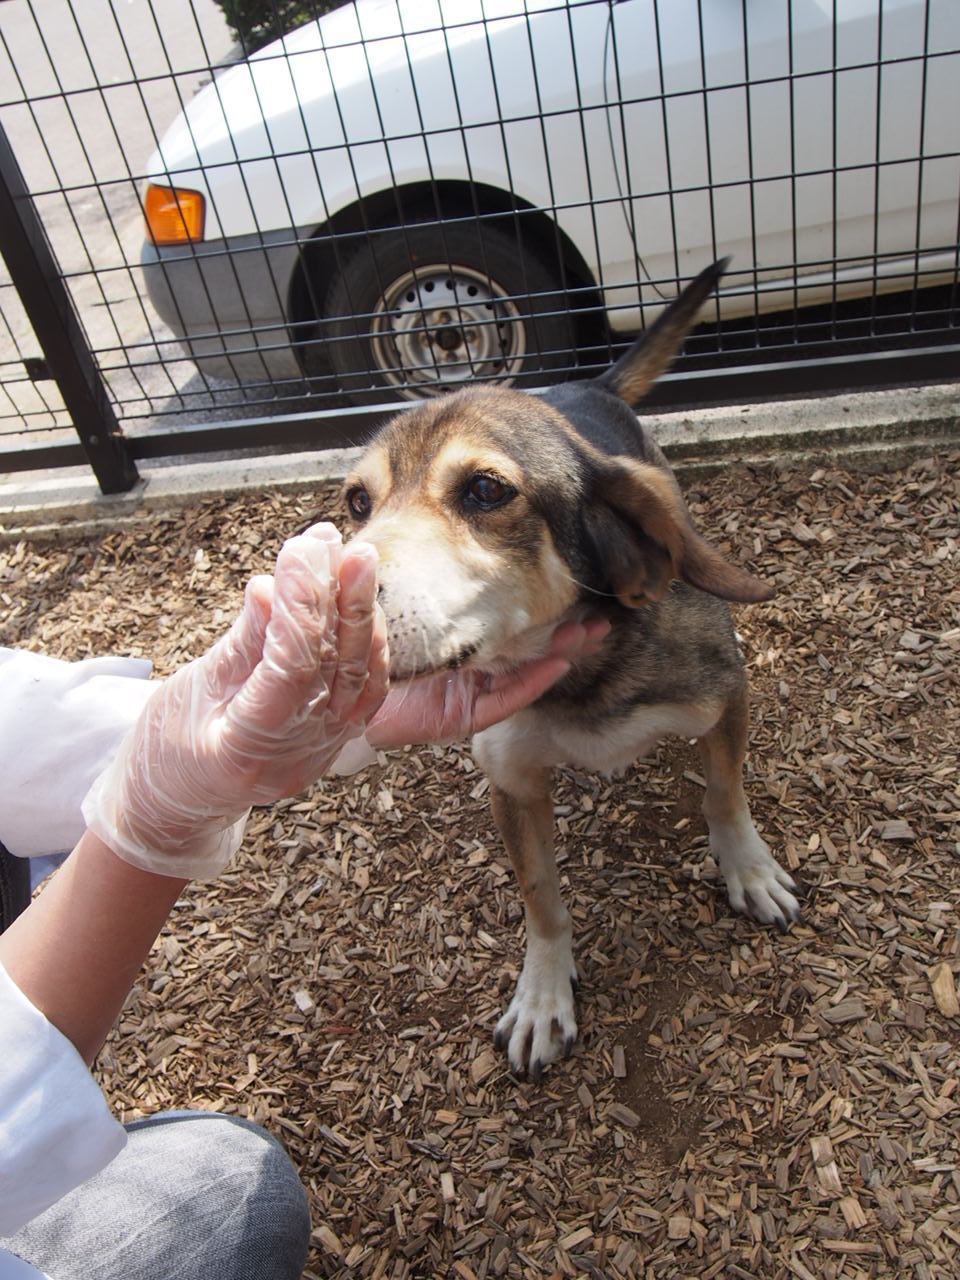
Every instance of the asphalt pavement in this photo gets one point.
(86, 90)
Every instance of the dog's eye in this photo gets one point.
(358, 500)
(486, 492)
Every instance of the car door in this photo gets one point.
(809, 142)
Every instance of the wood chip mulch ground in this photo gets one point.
(740, 1103)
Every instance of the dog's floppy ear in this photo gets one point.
(643, 537)
(638, 369)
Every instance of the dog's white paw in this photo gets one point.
(540, 1023)
(756, 883)
(766, 893)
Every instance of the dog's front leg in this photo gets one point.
(540, 1022)
(756, 883)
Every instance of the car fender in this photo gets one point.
(371, 97)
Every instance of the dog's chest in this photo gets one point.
(615, 746)
(533, 739)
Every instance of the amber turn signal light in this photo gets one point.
(174, 214)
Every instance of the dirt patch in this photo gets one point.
(668, 1127)
(740, 1103)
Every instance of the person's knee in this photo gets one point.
(247, 1190)
(277, 1208)
(193, 1193)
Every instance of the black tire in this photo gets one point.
(425, 309)
(14, 887)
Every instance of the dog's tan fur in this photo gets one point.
(497, 515)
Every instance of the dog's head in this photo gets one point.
(495, 514)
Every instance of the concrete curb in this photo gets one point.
(879, 430)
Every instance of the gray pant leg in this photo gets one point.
(192, 1195)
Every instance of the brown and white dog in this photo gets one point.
(496, 515)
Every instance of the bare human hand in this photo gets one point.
(449, 705)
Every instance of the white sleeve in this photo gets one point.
(60, 725)
(56, 1129)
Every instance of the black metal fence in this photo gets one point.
(211, 247)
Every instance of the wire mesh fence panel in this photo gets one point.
(29, 401)
(390, 200)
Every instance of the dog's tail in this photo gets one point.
(638, 369)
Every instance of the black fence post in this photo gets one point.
(45, 299)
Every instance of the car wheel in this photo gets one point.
(423, 310)
(14, 887)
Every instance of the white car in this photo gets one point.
(418, 192)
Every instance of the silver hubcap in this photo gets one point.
(440, 326)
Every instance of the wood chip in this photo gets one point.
(622, 1114)
(303, 1000)
(483, 1065)
(945, 990)
(825, 1166)
(897, 830)
(852, 1212)
(577, 1237)
(327, 1240)
(851, 1010)
(887, 1210)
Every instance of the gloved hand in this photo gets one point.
(258, 717)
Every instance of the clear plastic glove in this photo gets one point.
(258, 717)
(449, 706)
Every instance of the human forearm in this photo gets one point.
(76, 950)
